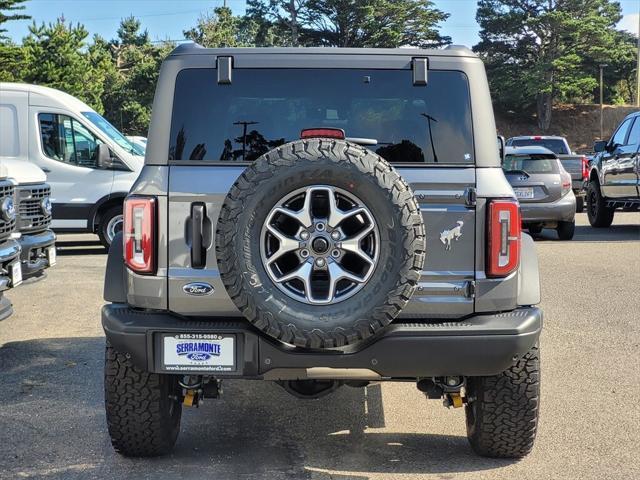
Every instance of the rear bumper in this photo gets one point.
(34, 252)
(479, 345)
(562, 210)
(9, 252)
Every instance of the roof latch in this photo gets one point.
(224, 65)
(420, 66)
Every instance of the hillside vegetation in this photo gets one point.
(579, 123)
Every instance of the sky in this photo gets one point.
(166, 19)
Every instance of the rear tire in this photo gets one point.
(579, 204)
(143, 410)
(502, 419)
(110, 225)
(600, 216)
(566, 230)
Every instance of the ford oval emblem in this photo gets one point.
(198, 289)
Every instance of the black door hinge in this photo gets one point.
(470, 289)
(470, 197)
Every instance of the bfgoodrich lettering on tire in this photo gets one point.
(320, 243)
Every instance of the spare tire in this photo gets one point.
(320, 243)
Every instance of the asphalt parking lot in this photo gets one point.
(51, 402)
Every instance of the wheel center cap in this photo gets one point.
(320, 245)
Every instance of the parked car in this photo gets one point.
(10, 268)
(294, 250)
(90, 166)
(576, 165)
(614, 178)
(138, 141)
(543, 188)
(32, 206)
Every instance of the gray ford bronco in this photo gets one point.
(318, 218)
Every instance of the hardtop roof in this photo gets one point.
(449, 51)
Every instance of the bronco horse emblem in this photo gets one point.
(448, 236)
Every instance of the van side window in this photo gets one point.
(67, 140)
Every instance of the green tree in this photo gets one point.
(278, 21)
(537, 51)
(375, 23)
(354, 23)
(7, 7)
(12, 62)
(56, 55)
(130, 76)
(129, 33)
(620, 73)
(220, 28)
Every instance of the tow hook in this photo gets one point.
(191, 398)
(195, 389)
(454, 400)
(450, 389)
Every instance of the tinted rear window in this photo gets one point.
(530, 164)
(265, 108)
(555, 145)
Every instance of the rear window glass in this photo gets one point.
(530, 164)
(265, 108)
(557, 146)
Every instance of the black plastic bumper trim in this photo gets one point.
(31, 242)
(475, 346)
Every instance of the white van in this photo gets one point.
(90, 165)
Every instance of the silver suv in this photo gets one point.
(321, 217)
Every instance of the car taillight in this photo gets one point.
(585, 168)
(565, 178)
(322, 133)
(140, 234)
(504, 238)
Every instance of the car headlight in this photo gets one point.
(45, 206)
(8, 209)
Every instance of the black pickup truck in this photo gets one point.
(614, 176)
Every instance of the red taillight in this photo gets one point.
(537, 138)
(566, 183)
(322, 133)
(585, 168)
(504, 238)
(139, 234)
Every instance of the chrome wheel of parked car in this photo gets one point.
(319, 244)
(114, 227)
(111, 222)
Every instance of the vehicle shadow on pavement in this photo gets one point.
(615, 233)
(79, 247)
(52, 425)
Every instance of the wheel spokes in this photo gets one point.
(313, 271)
(353, 244)
(337, 273)
(302, 273)
(303, 216)
(286, 244)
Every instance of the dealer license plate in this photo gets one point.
(51, 255)
(523, 192)
(16, 274)
(199, 352)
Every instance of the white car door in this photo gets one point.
(68, 151)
